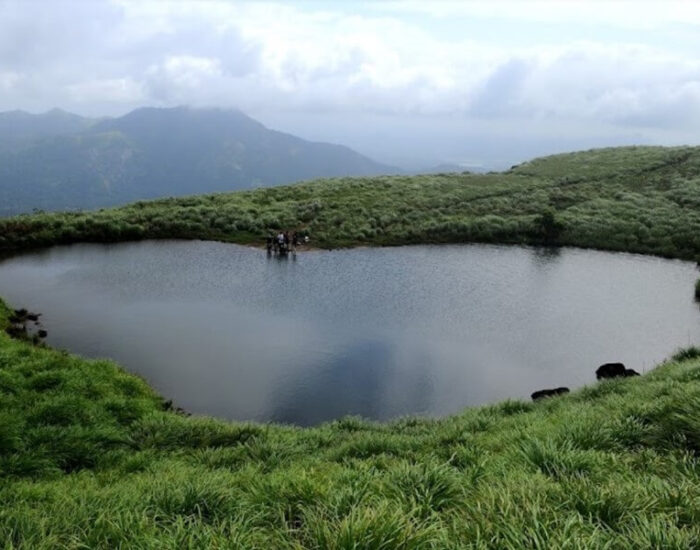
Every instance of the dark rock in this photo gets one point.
(548, 393)
(168, 406)
(42, 333)
(22, 316)
(631, 372)
(610, 370)
(16, 331)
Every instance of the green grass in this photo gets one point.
(91, 457)
(637, 199)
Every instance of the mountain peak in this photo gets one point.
(155, 152)
(19, 127)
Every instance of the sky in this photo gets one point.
(479, 84)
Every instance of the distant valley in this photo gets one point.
(62, 161)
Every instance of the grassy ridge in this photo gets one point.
(637, 199)
(89, 459)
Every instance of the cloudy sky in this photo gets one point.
(412, 83)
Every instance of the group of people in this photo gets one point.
(282, 243)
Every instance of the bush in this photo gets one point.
(692, 352)
(548, 228)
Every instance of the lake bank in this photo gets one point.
(632, 199)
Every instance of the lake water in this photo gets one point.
(227, 331)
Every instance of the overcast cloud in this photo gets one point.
(408, 82)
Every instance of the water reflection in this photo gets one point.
(363, 379)
(225, 330)
(546, 254)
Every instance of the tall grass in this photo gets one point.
(90, 457)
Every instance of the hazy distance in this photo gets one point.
(482, 85)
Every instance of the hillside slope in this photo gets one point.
(91, 458)
(17, 128)
(637, 199)
(152, 153)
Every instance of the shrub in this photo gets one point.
(548, 227)
(685, 354)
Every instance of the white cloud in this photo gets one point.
(630, 14)
(9, 80)
(190, 70)
(113, 90)
(379, 62)
(423, 59)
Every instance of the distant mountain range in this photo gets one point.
(61, 161)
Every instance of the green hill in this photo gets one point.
(90, 457)
(638, 199)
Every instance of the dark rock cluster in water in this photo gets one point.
(608, 370)
(25, 325)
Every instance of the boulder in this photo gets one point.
(610, 370)
(16, 331)
(548, 393)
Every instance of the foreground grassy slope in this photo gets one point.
(638, 199)
(89, 458)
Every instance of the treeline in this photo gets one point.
(637, 199)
